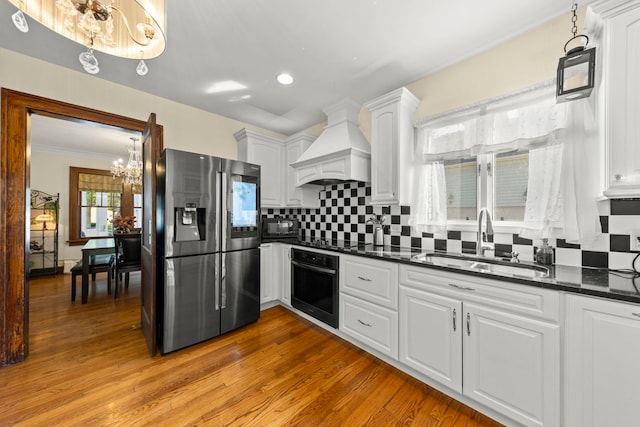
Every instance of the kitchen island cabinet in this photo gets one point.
(601, 363)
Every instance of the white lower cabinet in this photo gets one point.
(369, 303)
(370, 324)
(512, 364)
(473, 336)
(430, 335)
(285, 278)
(602, 368)
(268, 274)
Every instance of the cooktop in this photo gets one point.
(328, 243)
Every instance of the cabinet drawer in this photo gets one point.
(371, 280)
(517, 298)
(370, 324)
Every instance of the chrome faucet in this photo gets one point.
(482, 243)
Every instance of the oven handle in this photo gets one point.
(313, 267)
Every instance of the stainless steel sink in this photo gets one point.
(485, 265)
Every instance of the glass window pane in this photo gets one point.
(137, 212)
(115, 199)
(95, 221)
(87, 198)
(462, 188)
(137, 200)
(511, 173)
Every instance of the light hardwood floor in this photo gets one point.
(88, 366)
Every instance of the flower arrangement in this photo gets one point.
(123, 224)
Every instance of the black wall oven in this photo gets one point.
(314, 285)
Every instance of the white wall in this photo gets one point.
(185, 127)
(509, 66)
(515, 64)
(50, 173)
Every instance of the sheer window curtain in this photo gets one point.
(563, 178)
(429, 198)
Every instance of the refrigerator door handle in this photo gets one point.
(223, 280)
(216, 278)
(224, 216)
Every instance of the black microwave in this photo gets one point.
(277, 228)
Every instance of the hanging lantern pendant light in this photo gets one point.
(576, 70)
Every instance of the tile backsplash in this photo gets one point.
(344, 210)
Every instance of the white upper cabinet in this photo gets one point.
(621, 107)
(266, 151)
(306, 195)
(277, 187)
(392, 146)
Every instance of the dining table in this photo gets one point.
(91, 248)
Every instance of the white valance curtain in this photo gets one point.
(533, 120)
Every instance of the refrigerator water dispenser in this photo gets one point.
(190, 224)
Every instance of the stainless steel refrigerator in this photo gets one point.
(208, 224)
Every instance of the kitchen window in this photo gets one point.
(479, 156)
(498, 181)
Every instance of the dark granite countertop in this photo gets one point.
(582, 280)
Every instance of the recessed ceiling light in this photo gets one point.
(284, 79)
(225, 86)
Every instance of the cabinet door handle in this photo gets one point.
(464, 288)
(364, 279)
(454, 319)
(364, 323)
(635, 314)
(468, 323)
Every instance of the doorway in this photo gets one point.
(15, 166)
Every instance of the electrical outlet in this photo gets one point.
(635, 241)
(396, 228)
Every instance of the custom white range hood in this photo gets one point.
(340, 153)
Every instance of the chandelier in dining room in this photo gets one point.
(131, 173)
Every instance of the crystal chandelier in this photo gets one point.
(131, 173)
(124, 28)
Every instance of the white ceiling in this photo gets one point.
(81, 139)
(334, 49)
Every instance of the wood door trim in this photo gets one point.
(15, 153)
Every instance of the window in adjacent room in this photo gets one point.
(95, 198)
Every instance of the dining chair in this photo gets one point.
(97, 264)
(127, 258)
